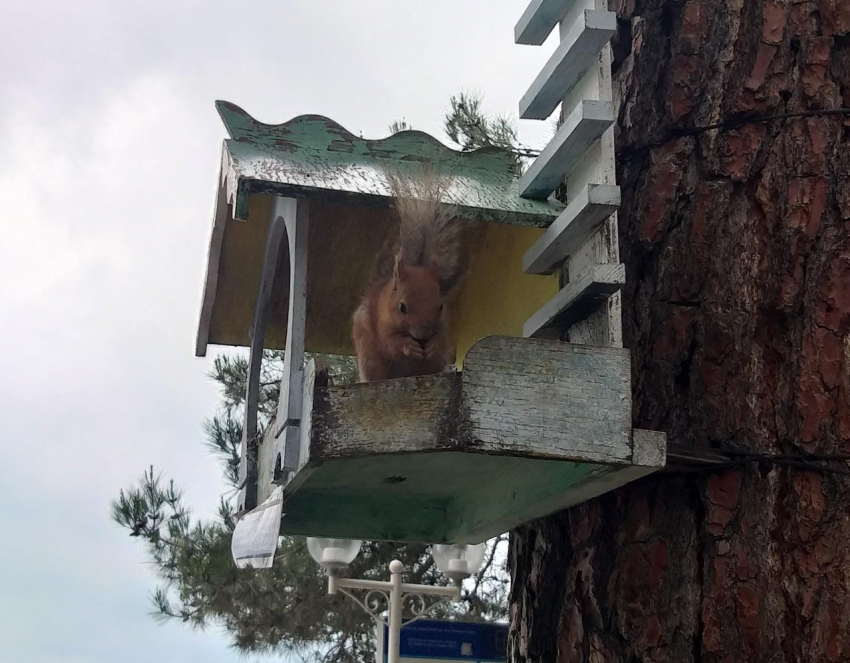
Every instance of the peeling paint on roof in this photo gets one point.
(313, 156)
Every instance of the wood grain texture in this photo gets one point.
(405, 415)
(539, 19)
(576, 301)
(577, 52)
(548, 399)
(497, 405)
(649, 448)
(585, 124)
(266, 463)
(530, 426)
(585, 213)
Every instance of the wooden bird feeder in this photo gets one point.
(526, 426)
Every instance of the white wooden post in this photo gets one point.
(582, 242)
(604, 326)
(295, 214)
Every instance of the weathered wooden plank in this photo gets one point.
(413, 414)
(583, 216)
(522, 397)
(584, 125)
(649, 448)
(296, 442)
(548, 399)
(295, 214)
(575, 301)
(538, 20)
(578, 51)
(266, 460)
(529, 427)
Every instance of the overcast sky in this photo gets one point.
(109, 149)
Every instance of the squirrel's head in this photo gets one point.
(415, 304)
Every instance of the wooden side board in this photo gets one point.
(529, 427)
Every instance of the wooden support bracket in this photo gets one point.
(578, 51)
(585, 213)
(582, 127)
(249, 453)
(575, 301)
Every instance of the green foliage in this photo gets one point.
(470, 127)
(285, 609)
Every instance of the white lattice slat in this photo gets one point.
(584, 214)
(578, 51)
(584, 125)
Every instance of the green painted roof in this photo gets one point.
(312, 156)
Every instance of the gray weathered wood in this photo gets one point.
(583, 216)
(297, 439)
(548, 399)
(649, 448)
(575, 301)
(383, 417)
(266, 461)
(538, 20)
(578, 51)
(584, 125)
(248, 469)
(529, 427)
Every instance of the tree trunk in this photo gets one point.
(737, 313)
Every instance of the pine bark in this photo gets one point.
(737, 314)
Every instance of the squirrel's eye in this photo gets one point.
(441, 308)
(402, 307)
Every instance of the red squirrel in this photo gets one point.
(400, 328)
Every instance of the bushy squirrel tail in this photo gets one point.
(429, 230)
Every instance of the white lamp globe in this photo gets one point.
(333, 554)
(458, 560)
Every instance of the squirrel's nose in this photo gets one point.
(420, 338)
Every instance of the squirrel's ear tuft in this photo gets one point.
(397, 268)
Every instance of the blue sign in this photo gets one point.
(443, 640)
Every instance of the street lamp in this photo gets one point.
(457, 561)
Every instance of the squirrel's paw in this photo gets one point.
(433, 349)
(412, 348)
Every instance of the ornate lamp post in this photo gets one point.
(457, 561)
